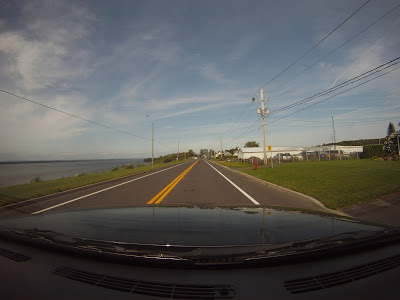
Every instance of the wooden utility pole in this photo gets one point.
(221, 146)
(265, 135)
(177, 155)
(152, 144)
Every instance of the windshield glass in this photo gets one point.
(199, 123)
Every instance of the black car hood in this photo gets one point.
(191, 226)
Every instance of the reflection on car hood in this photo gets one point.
(191, 226)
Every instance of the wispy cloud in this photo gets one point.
(47, 51)
(211, 72)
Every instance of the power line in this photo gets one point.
(243, 133)
(75, 116)
(338, 121)
(373, 23)
(326, 99)
(238, 119)
(296, 61)
(341, 85)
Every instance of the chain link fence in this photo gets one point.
(303, 155)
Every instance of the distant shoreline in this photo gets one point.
(62, 161)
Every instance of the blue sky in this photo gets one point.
(191, 68)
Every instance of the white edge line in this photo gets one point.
(230, 181)
(109, 188)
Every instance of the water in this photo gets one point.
(23, 172)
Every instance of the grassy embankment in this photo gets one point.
(336, 184)
(16, 193)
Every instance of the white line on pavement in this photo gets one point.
(109, 188)
(240, 190)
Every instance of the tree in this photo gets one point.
(390, 144)
(191, 153)
(252, 144)
(233, 150)
(203, 152)
(390, 129)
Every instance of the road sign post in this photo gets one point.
(272, 160)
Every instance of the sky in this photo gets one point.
(191, 68)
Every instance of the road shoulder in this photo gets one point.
(287, 191)
(385, 210)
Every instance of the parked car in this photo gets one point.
(257, 159)
(287, 157)
(298, 157)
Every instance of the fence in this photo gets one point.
(305, 155)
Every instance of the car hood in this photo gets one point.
(192, 226)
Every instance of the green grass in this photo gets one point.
(234, 164)
(337, 184)
(16, 193)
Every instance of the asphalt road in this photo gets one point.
(195, 183)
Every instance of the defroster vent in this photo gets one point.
(170, 290)
(13, 255)
(324, 281)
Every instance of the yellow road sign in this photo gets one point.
(269, 148)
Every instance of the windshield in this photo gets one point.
(199, 123)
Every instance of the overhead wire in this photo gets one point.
(75, 116)
(81, 118)
(326, 99)
(341, 85)
(337, 48)
(316, 45)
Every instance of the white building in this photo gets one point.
(246, 153)
(224, 154)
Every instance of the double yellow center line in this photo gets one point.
(161, 195)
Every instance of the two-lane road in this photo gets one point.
(196, 183)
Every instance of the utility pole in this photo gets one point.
(334, 134)
(152, 144)
(265, 134)
(221, 146)
(177, 155)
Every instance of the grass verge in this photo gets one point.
(234, 164)
(16, 193)
(337, 184)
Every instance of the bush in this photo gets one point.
(127, 166)
(169, 159)
(114, 169)
(374, 150)
(37, 179)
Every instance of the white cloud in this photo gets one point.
(211, 72)
(244, 46)
(28, 125)
(48, 50)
